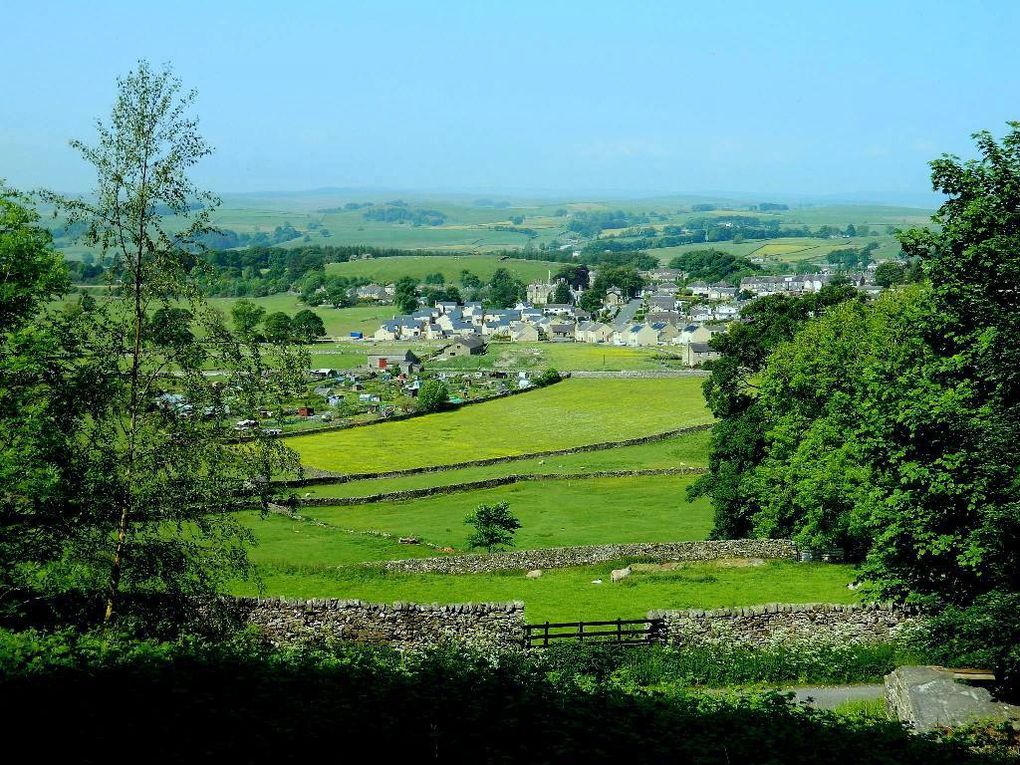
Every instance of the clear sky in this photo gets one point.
(808, 98)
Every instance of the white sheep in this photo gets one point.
(620, 573)
(534, 574)
(596, 581)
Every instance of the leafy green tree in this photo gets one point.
(504, 290)
(469, 281)
(562, 294)
(591, 301)
(714, 266)
(433, 396)
(306, 326)
(406, 296)
(247, 316)
(149, 483)
(495, 527)
(32, 416)
(889, 273)
(278, 328)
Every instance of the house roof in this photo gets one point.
(471, 342)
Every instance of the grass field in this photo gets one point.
(571, 413)
(688, 450)
(339, 322)
(554, 513)
(386, 270)
(568, 594)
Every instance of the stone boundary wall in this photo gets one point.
(562, 557)
(759, 626)
(324, 477)
(489, 483)
(403, 625)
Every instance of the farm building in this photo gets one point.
(464, 346)
(406, 362)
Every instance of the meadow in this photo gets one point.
(568, 594)
(571, 413)
(689, 450)
(553, 513)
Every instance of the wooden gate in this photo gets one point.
(630, 632)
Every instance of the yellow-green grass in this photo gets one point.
(571, 413)
(690, 450)
(568, 594)
(553, 513)
(565, 357)
(386, 270)
(339, 322)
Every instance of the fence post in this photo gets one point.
(546, 634)
(580, 632)
(619, 630)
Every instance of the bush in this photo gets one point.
(102, 697)
(548, 377)
(433, 396)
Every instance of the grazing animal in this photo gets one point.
(534, 574)
(620, 573)
(596, 581)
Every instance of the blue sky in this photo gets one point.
(794, 98)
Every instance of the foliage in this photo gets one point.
(446, 704)
(277, 328)
(889, 273)
(504, 290)
(495, 526)
(306, 326)
(406, 296)
(714, 266)
(548, 377)
(561, 294)
(433, 396)
(247, 316)
(148, 482)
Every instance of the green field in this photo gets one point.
(339, 321)
(387, 270)
(689, 450)
(553, 513)
(568, 594)
(571, 413)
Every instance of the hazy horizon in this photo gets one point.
(787, 102)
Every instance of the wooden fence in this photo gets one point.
(629, 632)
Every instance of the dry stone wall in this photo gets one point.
(489, 483)
(562, 557)
(758, 626)
(403, 625)
(325, 477)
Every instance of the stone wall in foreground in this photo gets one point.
(757, 626)
(402, 625)
(563, 557)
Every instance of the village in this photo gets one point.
(668, 311)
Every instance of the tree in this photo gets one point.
(32, 422)
(469, 281)
(278, 328)
(889, 273)
(406, 296)
(150, 482)
(306, 326)
(247, 316)
(504, 290)
(562, 294)
(433, 396)
(495, 526)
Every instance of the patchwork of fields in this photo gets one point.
(322, 550)
(388, 270)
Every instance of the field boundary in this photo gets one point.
(490, 483)
(590, 555)
(327, 477)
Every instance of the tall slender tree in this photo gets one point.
(162, 478)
